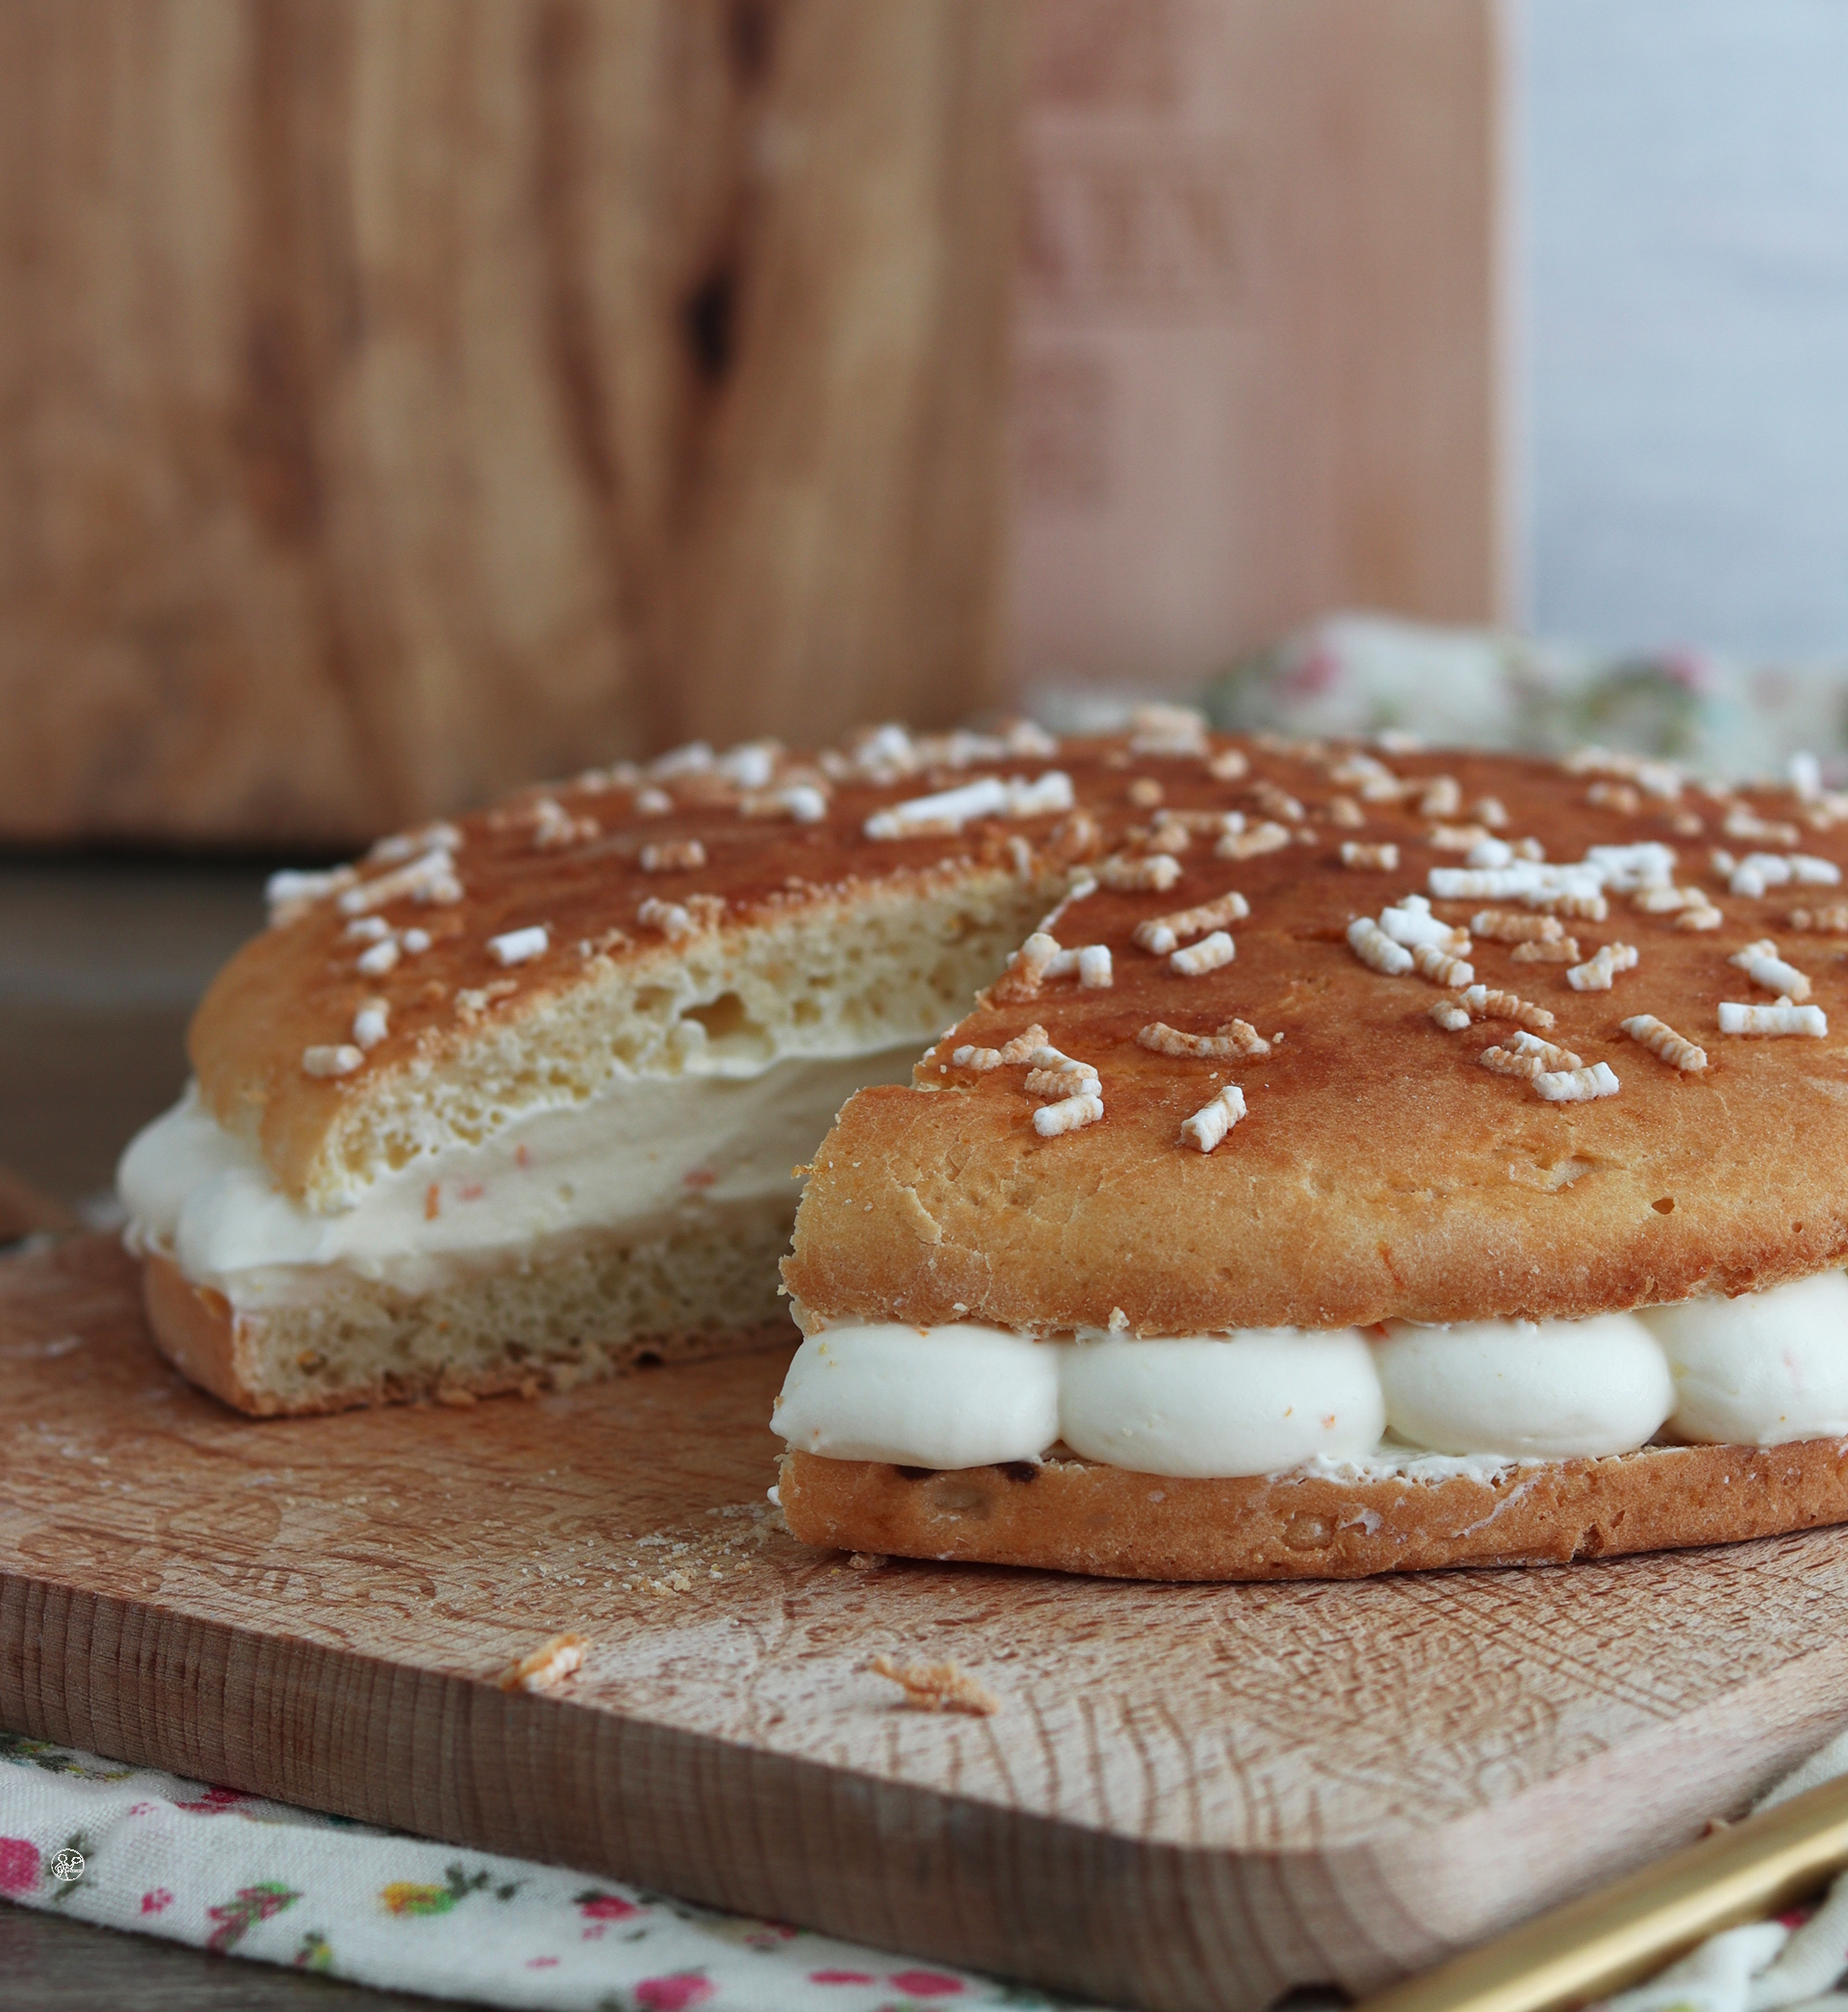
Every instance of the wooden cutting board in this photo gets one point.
(1192, 1797)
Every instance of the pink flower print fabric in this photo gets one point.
(232, 1873)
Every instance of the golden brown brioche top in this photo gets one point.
(1381, 1168)
(465, 970)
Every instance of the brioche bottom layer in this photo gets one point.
(1071, 1515)
(583, 1307)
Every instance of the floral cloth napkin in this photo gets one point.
(131, 1847)
(1354, 674)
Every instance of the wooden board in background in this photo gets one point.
(1194, 1797)
(1263, 364)
(403, 402)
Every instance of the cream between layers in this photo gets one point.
(1763, 1369)
(646, 1151)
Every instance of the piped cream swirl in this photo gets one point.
(1766, 1369)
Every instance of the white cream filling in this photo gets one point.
(1526, 1390)
(1425, 1402)
(971, 1397)
(1760, 1370)
(647, 1152)
(1258, 1401)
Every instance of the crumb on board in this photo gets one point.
(549, 1664)
(938, 1686)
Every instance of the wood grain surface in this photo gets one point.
(404, 401)
(1263, 367)
(1192, 1797)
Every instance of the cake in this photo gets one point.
(1355, 1158)
(1449, 1165)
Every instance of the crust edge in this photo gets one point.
(212, 1345)
(1073, 1516)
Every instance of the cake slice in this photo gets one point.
(515, 1099)
(1454, 1170)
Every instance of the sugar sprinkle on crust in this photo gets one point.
(429, 878)
(1577, 1086)
(1485, 1003)
(1370, 859)
(1411, 922)
(1159, 870)
(1167, 835)
(1669, 900)
(1210, 954)
(1056, 1076)
(1766, 970)
(1743, 822)
(291, 894)
(949, 810)
(1664, 1043)
(1251, 844)
(1368, 776)
(1562, 949)
(1599, 969)
(1580, 907)
(1459, 838)
(1759, 871)
(1161, 933)
(1209, 1125)
(1441, 968)
(1070, 1114)
(371, 1023)
(1175, 731)
(397, 847)
(1524, 1054)
(553, 825)
(680, 918)
(1043, 956)
(339, 1059)
(1019, 1049)
(1659, 779)
(1095, 970)
(1236, 1038)
(806, 803)
(1508, 1061)
(1784, 1018)
(1275, 802)
(1372, 944)
(519, 945)
(1503, 925)
(1831, 921)
(677, 856)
